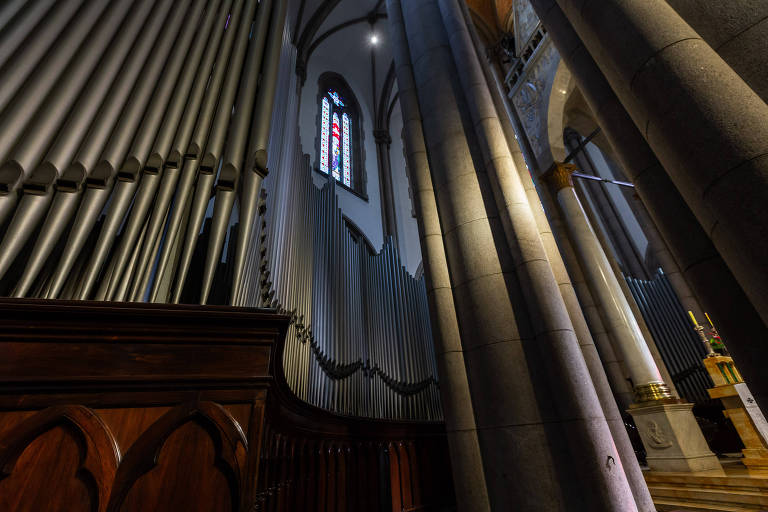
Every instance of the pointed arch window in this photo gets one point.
(339, 133)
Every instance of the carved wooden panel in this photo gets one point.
(187, 408)
(62, 458)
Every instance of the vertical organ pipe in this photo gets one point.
(167, 153)
(204, 129)
(262, 118)
(41, 129)
(17, 67)
(238, 135)
(104, 173)
(17, 23)
(89, 152)
(71, 135)
(186, 152)
(136, 168)
(30, 96)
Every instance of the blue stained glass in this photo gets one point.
(336, 98)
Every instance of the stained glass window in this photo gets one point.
(346, 166)
(336, 137)
(335, 146)
(324, 123)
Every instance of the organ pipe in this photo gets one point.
(116, 121)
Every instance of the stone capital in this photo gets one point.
(559, 176)
(382, 137)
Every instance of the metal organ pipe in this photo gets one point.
(118, 148)
(26, 126)
(238, 134)
(85, 163)
(19, 64)
(186, 148)
(215, 121)
(114, 112)
(260, 137)
(136, 171)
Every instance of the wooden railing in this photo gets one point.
(313, 459)
(118, 407)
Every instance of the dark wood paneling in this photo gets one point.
(111, 407)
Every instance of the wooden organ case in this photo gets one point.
(138, 407)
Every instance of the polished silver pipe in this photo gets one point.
(117, 147)
(195, 126)
(237, 132)
(71, 134)
(61, 212)
(94, 200)
(110, 116)
(119, 294)
(18, 23)
(179, 121)
(134, 222)
(262, 117)
(166, 98)
(28, 215)
(8, 11)
(196, 216)
(163, 293)
(18, 65)
(209, 164)
(21, 109)
(176, 225)
(41, 129)
(7, 204)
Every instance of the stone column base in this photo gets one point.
(672, 439)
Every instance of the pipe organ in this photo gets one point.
(134, 137)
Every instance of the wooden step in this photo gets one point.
(671, 505)
(757, 500)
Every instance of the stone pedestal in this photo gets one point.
(672, 438)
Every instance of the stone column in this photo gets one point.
(705, 124)
(539, 418)
(698, 260)
(647, 381)
(663, 422)
(388, 217)
(582, 308)
(615, 229)
(598, 364)
(461, 430)
(738, 31)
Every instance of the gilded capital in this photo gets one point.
(559, 176)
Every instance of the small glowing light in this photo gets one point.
(374, 39)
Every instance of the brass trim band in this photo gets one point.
(652, 392)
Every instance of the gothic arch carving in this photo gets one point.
(229, 446)
(92, 459)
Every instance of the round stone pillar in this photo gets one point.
(646, 379)
(667, 427)
(704, 269)
(705, 124)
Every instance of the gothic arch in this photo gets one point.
(332, 80)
